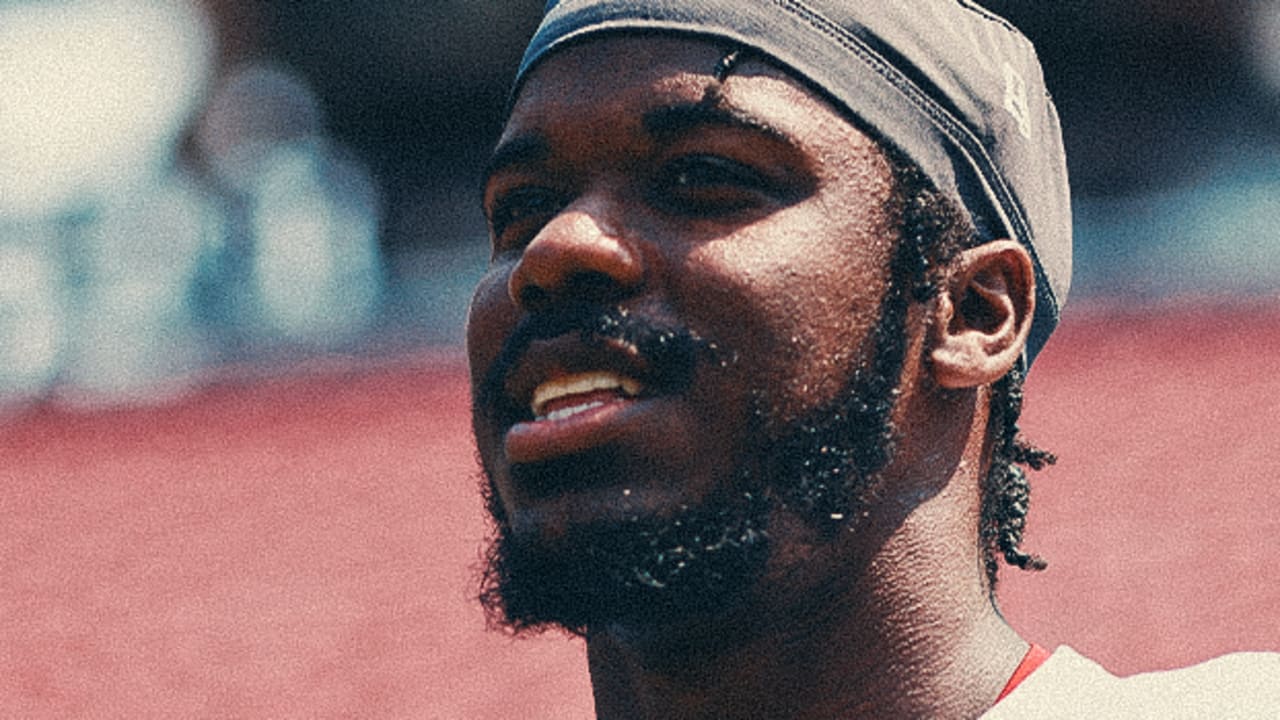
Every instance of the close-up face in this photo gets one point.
(681, 267)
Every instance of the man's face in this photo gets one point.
(684, 271)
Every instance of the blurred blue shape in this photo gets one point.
(135, 338)
(1219, 235)
(316, 270)
(256, 109)
(302, 264)
(33, 319)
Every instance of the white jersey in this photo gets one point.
(1067, 685)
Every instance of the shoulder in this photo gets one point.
(1241, 685)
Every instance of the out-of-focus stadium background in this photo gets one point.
(188, 184)
(237, 239)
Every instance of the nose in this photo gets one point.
(575, 256)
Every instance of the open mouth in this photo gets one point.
(578, 381)
(580, 411)
(570, 397)
(564, 397)
(561, 377)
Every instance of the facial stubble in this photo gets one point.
(708, 558)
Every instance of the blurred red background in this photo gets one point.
(305, 546)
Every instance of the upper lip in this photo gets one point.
(565, 355)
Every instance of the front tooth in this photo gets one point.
(563, 413)
(578, 384)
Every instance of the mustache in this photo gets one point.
(670, 352)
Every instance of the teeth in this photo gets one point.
(563, 413)
(579, 384)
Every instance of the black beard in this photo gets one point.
(635, 571)
(646, 571)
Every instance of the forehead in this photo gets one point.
(608, 83)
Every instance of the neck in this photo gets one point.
(913, 634)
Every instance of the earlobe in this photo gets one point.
(983, 317)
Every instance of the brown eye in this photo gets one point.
(517, 214)
(709, 186)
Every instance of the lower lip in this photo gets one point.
(542, 440)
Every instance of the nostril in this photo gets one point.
(588, 287)
(593, 287)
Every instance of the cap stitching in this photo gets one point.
(948, 124)
(988, 15)
(985, 167)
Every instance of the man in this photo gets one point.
(747, 362)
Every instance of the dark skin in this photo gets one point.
(753, 213)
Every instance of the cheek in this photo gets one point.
(490, 319)
(796, 307)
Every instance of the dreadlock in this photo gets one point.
(936, 228)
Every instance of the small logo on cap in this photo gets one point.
(1015, 100)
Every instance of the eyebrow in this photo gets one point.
(664, 124)
(667, 123)
(521, 150)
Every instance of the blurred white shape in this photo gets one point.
(135, 339)
(311, 241)
(32, 321)
(257, 108)
(316, 267)
(93, 94)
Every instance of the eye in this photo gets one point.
(518, 213)
(709, 186)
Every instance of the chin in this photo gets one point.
(639, 569)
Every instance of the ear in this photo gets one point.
(983, 318)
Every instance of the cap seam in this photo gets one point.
(997, 188)
(988, 15)
(954, 129)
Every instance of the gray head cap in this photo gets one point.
(956, 88)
